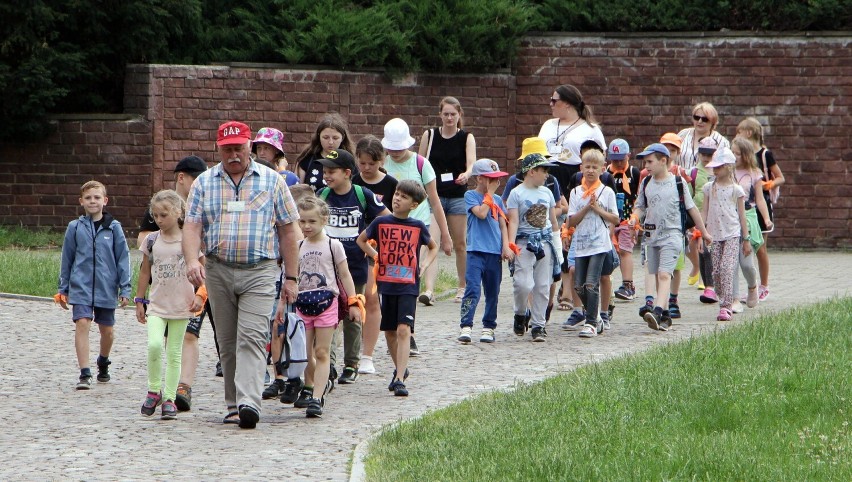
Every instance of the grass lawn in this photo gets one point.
(29, 261)
(766, 400)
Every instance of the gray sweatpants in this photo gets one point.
(531, 283)
(240, 299)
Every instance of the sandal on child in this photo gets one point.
(232, 418)
(459, 295)
(565, 305)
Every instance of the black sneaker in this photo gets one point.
(103, 369)
(305, 395)
(219, 369)
(646, 308)
(249, 416)
(674, 309)
(349, 375)
(274, 390)
(538, 334)
(183, 397)
(610, 311)
(412, 347)
(169, 410)
(292, 387)
(314, 408)
(332, 377)
(149, 406)
(85, 382)
(399, 389)
(393, 378)
(520, 325)
(653, 318)
(666, 321)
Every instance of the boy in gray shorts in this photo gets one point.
(659, 204)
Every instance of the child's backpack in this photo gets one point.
(775, 192)
(686, 221)
(150, 240)
(294, 351)
(359, 193)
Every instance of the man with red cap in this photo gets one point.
(241, 214)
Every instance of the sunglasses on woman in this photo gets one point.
(554, 101)
(700, 118)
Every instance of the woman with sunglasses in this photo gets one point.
(572, 125)
(704, 122)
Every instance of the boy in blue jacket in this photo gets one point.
(95, 267)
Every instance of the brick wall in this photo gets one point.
(638, 85)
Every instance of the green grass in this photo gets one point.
(36, 272)
(767, 400)
(19, 237)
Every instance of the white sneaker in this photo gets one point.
(588, 331)
(487, 336)
(464, 335)
(365, 366)
(737, 307)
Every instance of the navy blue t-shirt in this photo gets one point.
(398, 243)
(346, 220)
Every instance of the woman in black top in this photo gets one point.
(452, 152)
(331, 133)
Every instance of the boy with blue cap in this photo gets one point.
(658, 205)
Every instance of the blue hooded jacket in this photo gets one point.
(95, 266)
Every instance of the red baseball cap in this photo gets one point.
(233, 132)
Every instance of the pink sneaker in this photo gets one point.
(762, 292)
(724, 315)
(709, 296)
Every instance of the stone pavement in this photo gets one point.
(55, 432)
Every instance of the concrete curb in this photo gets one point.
(25, 297)
(358, 472)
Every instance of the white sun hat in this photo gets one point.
(397, 137)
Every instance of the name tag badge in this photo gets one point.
(447, 177)
(236, 206)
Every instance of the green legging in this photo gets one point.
(174, 347)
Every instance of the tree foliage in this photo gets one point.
(61, 56)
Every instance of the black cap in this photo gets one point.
(339, 158)
(192, 165)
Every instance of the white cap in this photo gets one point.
(397, 137)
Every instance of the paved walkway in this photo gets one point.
(54, 432)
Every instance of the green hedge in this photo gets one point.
(61, 56)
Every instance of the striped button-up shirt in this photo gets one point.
(239, 220)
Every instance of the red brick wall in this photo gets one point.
(638, 86)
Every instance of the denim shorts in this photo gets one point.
(453, 205)
(101, 316)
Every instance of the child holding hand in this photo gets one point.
(487, 246)
(323, 270)
(171, 303)
(724, 210)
